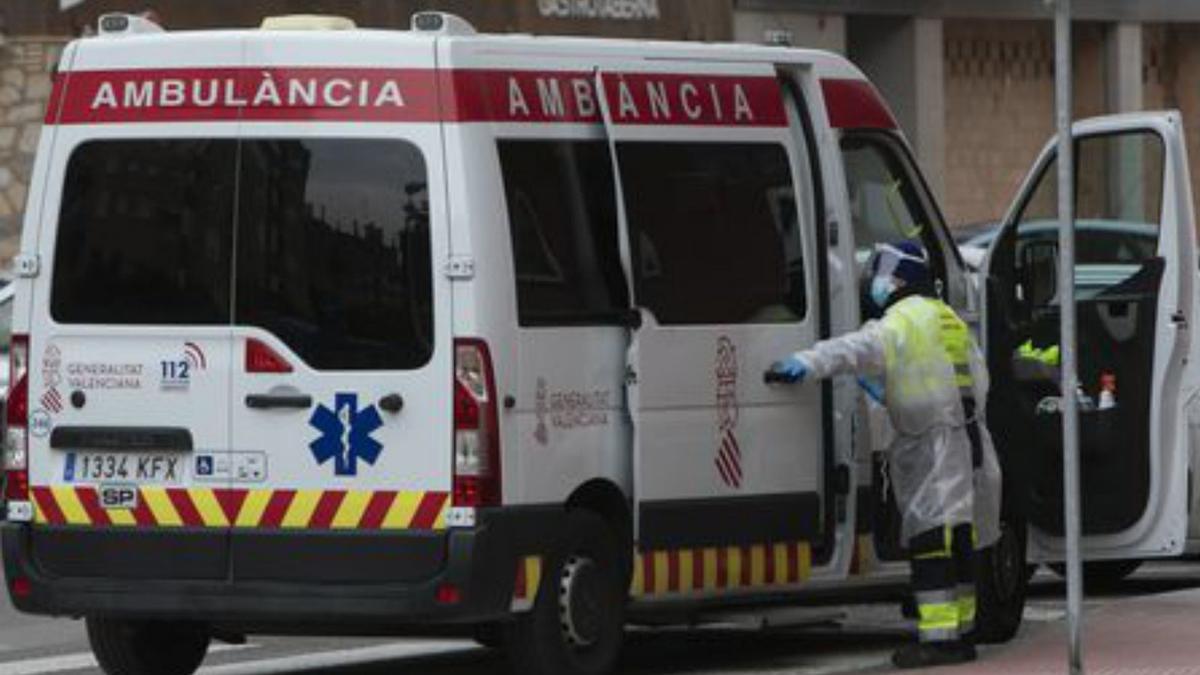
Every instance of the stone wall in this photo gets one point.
(999, 78)
(1171, 70)
(25, 65)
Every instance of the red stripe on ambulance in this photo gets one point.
(410, 95)
(142, 515)
(327, 509)
(231, 502)
(47, 506)
(248, 94)
(633, 98)
(91, 505)
(855, 104)
(184, 507)
(377, 510)
(713, 100)
(277, 508)
(428, 510)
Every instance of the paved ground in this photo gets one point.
(1126, 633)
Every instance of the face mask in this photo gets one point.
(882, 289)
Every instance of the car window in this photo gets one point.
(333, 250)
(1118, 199)
(144, 233)
(888, 203)
(715, 232)
(563, 223)
(332, 242)
(885, 204)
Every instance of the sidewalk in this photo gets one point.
(1151, 635)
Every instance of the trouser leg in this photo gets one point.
(963, 540)
(935, 582)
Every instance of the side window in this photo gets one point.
(333, 250)
(888, 204)
(715, 232)
(1118, 199)
(563, 224)
(144, 233)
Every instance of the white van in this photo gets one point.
(336, 331)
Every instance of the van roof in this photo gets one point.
(142, 48)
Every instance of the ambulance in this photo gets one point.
(321, 330)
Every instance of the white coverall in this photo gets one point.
(914, 347)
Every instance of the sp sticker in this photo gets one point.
(345, 434)
(118, 496)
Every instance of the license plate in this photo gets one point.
(136, 467)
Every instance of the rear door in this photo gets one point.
(1134, 276)
(341, 403)
(717, 220)
(130, 331)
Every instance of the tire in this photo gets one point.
(577, 622)
(147, 647)
(1001, 584)
(1101, 575)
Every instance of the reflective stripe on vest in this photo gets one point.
(911, 321)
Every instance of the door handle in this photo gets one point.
(392, 403)
(265, 401)
(1179, 319)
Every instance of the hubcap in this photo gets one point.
(580, 609)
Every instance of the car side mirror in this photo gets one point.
(1038, 276)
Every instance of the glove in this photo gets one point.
(791, 369)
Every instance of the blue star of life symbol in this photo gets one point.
(345, 434)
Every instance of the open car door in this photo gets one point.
(1135, 271)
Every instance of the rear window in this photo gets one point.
(333, 251)
(332, 243)
(145, 232)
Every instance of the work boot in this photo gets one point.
(930, 654)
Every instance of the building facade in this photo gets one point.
(971, 81)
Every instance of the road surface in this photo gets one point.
(860, 643)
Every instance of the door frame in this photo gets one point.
(1162, 528)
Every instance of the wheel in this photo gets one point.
(1101, 574)
(577, 622)
(1000, 585)
(147, 647)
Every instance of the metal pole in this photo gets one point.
(1066, 286)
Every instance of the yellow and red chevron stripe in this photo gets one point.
(525, 586)
(270, 509)
(720, 569)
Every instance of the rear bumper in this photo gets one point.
(481, 562)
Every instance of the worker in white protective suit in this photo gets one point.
(942, 465)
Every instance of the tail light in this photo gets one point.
(16, 436)
(476, 432)
(260, 358)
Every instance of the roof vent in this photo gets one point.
(126, 24)
(441, 22)
(307, 22)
